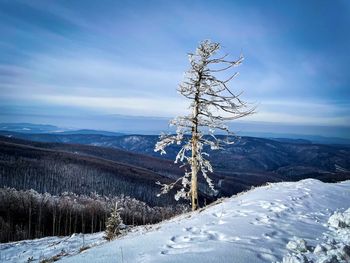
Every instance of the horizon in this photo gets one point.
(80, 63)
(129, 125)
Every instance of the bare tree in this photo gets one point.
(212, 103)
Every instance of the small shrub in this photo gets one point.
(114, 224)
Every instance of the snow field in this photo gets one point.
(251, 227)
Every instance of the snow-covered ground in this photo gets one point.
(37, 250)
(334, 247)
(252, 227)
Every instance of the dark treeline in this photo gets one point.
(26, 167)
(28, 214)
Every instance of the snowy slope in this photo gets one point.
(252, 227)
(48, 247)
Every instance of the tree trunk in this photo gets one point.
(194, 169)
(39, 223)
(59, 223)
(30, 219)
(92, 223)
(70, 221)
(194, 162)
(53, 221)
(82, 222)
(75, 222)
(66, 224)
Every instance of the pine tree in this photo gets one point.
(113, 224)
(211, 104)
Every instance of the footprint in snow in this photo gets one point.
(273, 207)
(270, 235)
(143, 258)
(243, 213)
(269, 257)
(263, 220)
(219, 214)
(216, 222)
(190, 242)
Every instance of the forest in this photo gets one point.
(27, 214)
(26, 167)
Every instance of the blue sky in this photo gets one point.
(99, 58)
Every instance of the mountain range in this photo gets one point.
(107, 161)
(119, 124)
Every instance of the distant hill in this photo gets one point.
(289, 140)
(249, 162)
(50, 129)
(87, 131)
(247, 154)
(155, 125)
(29, 127)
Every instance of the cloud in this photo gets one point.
(303, 112)
(83, 74)
(277, 117)
(159, 106)
(129, 57)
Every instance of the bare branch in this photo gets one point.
(210, 97)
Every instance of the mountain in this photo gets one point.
(249, 162)
(108, 124)
(36, 160)
(87, 131)
(50, 129)
(29, 127)
(288, 160)
(256, 226)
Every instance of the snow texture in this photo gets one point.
(251, 227)
(335, 247)
(37, 250)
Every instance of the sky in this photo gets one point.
(73, 60)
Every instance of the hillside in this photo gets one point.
(248, 162)
(247, 154)
(26, 166)
(252, 227)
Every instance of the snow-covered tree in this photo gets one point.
(113, 224)
(212, 103)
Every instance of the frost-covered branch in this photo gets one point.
(210, 97)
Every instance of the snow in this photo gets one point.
(255, 226)
(340, 220)
(48, 247)
(297, 244)
(132, 139)
(334, 247)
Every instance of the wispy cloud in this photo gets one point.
(128, 58)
